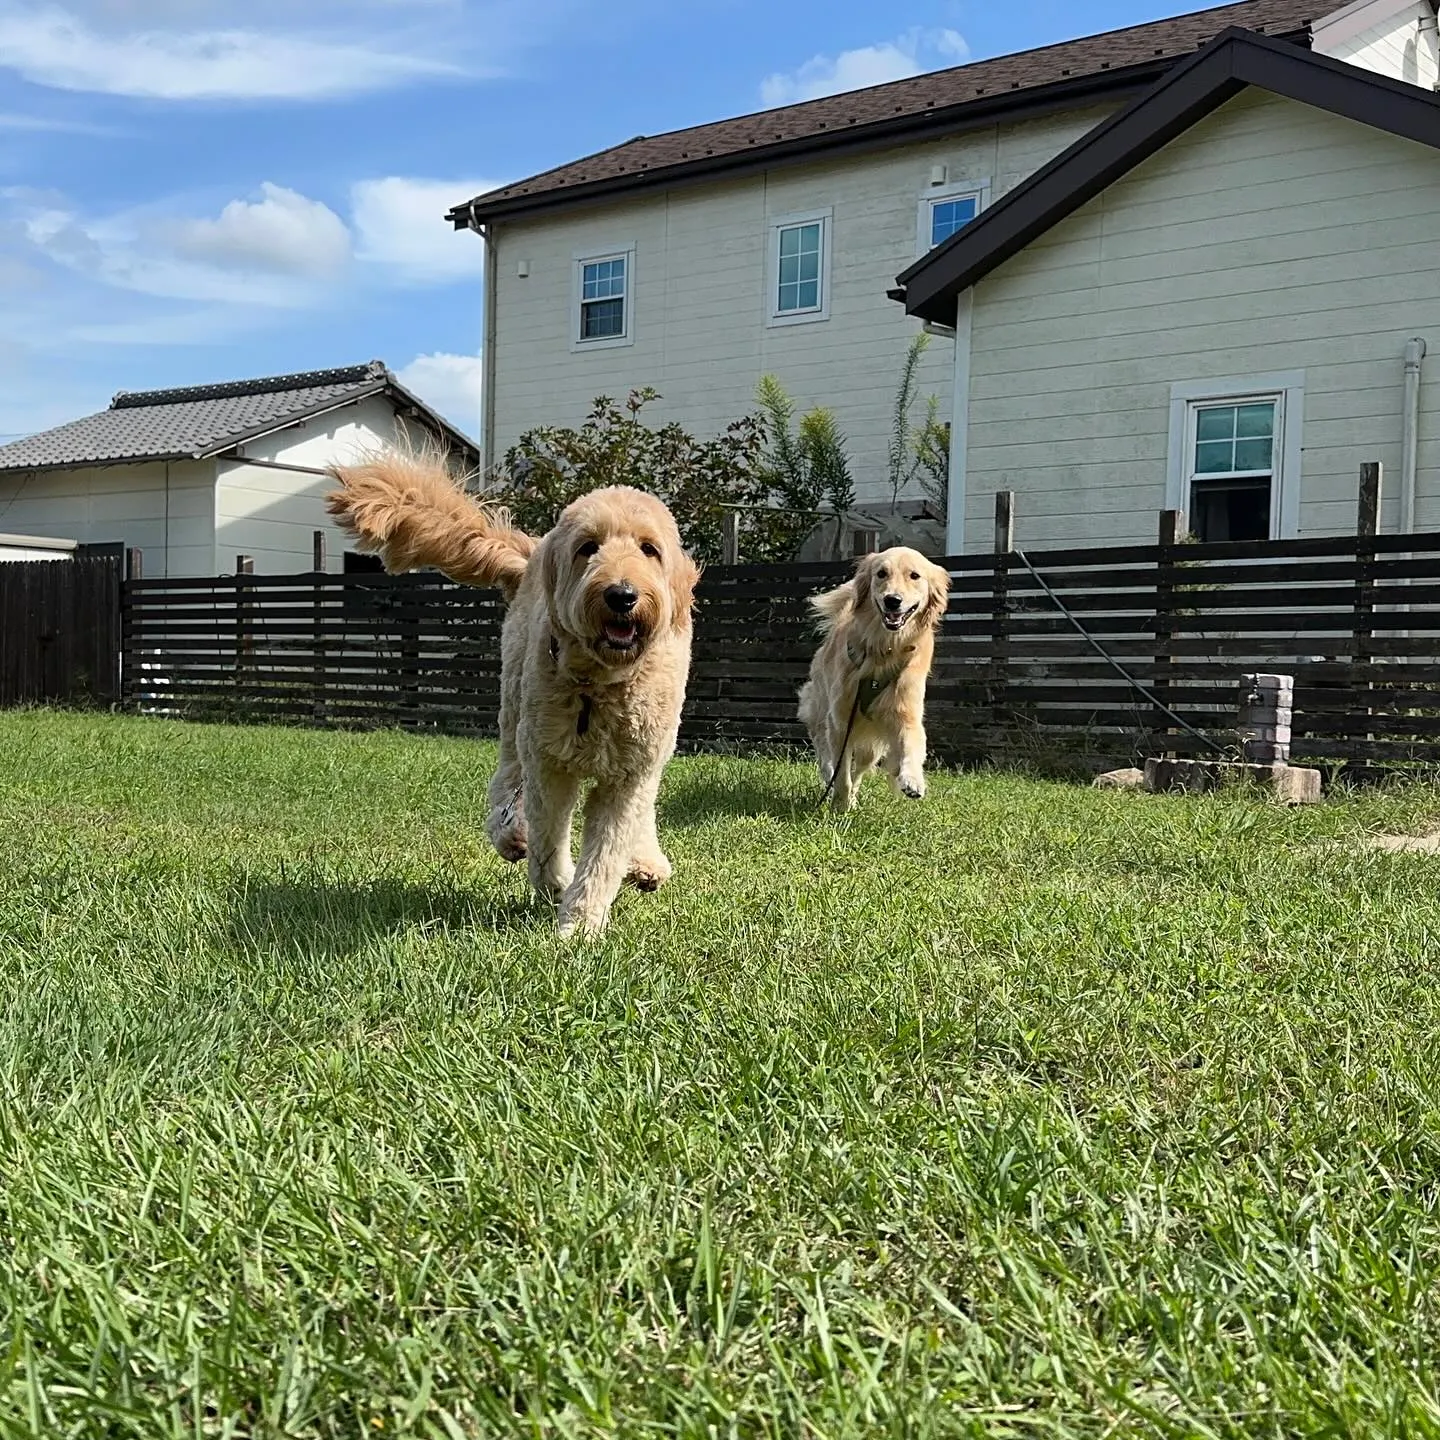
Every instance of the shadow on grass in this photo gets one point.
(695, 799)
(335, 918)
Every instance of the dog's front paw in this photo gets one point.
(506, 829)
(649, 872)
(912, 786)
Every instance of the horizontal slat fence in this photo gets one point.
(1355, 619)
(60, 631)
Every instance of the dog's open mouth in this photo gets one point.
(620, 635)
(896, 619)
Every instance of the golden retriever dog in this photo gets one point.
(864, 703)
(595, 652)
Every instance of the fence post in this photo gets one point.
(134, 563)
(1172, 532)
(317, 705)
(1367, 526)
(1000, 613)
(730, 537)
(865, 541)
(244, 565)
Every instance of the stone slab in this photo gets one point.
(1288, 784)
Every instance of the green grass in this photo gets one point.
(1031, 1110)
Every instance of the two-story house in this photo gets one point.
(698, 260)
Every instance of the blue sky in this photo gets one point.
(200, 190)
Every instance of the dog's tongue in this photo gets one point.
(622, 632)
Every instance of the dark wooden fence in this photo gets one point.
(60, 631)
(1354, 618)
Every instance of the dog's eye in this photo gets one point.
(882, 574)
(589, 548)
(914, 574)
(646, 548)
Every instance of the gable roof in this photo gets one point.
(198, 422)
(1047, 78)
(1233, 60)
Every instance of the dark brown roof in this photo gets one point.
(940, 100)
(1232, 61)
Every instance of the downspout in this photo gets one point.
(1410, 434)
(487, 347)
(1430, 37)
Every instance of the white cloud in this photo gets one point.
(451, 383)
(154, 252)
(282, 231)
(909, 54)
(53, 47)
(400, 222)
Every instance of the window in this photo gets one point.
(1235, 456)
(603, 298)
(943, 212)
(799, 268)
(1232, 469)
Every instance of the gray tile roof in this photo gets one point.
(199, 421)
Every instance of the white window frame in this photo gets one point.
(1287, 389)
(773, 314)
(594, 256)
(979, 189)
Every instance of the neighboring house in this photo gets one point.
(196, 476)
(35, 547)
(698, 260)
(1219, 302)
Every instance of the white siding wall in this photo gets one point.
(1390, 44)
(1270, 237)
(701, 286)
(271, 515)
(166, 509)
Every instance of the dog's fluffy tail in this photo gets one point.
(830, 606)
(406, 507)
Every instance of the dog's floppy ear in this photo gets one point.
(546, 557)
(939, 596)
(864, 576)
(684, 576)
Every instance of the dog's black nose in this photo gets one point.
(892, 603)
(621, 598)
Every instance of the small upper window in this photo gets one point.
(603, 298)
(1232, 468)
(945, 212)
(799, 283)
(947, 216)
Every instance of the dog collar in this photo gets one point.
(582, 722)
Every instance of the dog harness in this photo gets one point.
(582, 723)
(872, 687)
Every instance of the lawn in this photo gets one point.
(1030, 1110)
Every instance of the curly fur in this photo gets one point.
(577, 703)
(858, 646)
(405, 507)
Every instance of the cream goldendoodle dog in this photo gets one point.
(595, 651)
(864, 703)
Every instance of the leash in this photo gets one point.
(1114, 664)
(867, 691)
